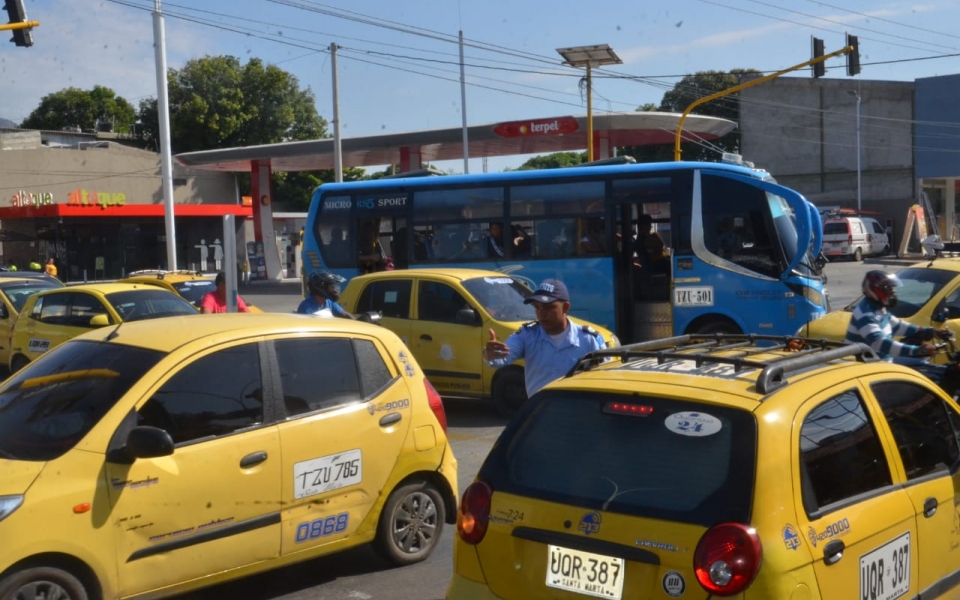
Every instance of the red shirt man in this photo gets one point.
(216, 302)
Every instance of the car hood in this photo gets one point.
(18, 475)
(832, 326)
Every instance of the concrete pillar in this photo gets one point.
(949, 197)
(601, 146)
(409, 159)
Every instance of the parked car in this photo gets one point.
(191, 285)
(929, 297)
(855, 237)
(443, 315)
(172, 454)
(705, 467)
(52, 317)
(14, 292)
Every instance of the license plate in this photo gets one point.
(584, 572)
(693, 296)
(885, 572)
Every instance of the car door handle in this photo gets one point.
(390, 419)
(253, 459)
(833, 552)
(930, 507)
(426, 337)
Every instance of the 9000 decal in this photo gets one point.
(322, 527)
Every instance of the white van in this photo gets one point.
(855, 237)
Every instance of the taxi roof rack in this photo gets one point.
(160, 273)
(704, 348)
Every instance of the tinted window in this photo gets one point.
(212, 396)
(392, 298)
(877, 228)
(835, 228)
(194, 291)
(735, 225)
(331, 229)
(317, 374)
(921, 426)
(458, 204)
(439, 302)
(52, 309)
(84, 307)
(502, 297)
(374, 376)
(919, 285)
(570, 447)
(840, 453)
(138, 305)
(48, 407)
(18, 293)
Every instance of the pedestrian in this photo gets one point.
(246, 272)
(12, 266)
(216, 301)
(50, 268)
(549, 346)
(324, 288)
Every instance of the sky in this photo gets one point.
(398, 63)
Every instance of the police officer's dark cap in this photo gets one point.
(549, 291)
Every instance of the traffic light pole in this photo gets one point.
(743, 86)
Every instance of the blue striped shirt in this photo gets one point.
(544, 360)
(873, 325)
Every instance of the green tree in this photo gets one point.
(73, 107)
(216, 102)
(686, 92)
(554, 161)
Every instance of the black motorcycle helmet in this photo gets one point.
(881, 287)
(326, 284)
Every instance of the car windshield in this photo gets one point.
(18, 293)
(50, 405)
(502, 297)
(918, 286)
(194, 291)
(658, 458)
(138, 305)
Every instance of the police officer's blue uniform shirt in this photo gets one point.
(544, 360)
(311, 306)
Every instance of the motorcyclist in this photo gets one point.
(873, 324)
(324, 288)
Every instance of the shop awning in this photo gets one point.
(126, 210)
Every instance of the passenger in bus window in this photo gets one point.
(592, 241)
(369, 253)
(649, 247)
(522, 245)
(495, 241)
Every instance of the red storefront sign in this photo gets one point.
(555, 126)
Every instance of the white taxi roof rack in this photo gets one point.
(160, 273)
(705, 348)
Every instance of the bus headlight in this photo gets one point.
(815, 297)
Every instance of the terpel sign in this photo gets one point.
(557, 126)
(81, 197)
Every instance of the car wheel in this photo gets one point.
(857, 255)
(19, 361)
(42, 583)
(509, 391)
(410, 524)
(717, 326)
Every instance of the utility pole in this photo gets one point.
(163, 112)
(337, 154)
(463, 109)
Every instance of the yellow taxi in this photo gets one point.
(443, 315)
(14, 292)
(167, 455)
(191, 285)
(929, 297)
(715, 466)
(51, 317)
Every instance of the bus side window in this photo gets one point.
(555, 238)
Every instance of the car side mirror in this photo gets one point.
(4, 313)
(946, 313)
(371, 316)
(148, 442)
(99, 321)
(467, 316)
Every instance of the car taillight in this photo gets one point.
(850, 239)
(436, 404)
(474, 512)
(727, 558)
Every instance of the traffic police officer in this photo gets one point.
(551, 345)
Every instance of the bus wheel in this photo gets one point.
(715, 325)
(509, 391)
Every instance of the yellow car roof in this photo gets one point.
(103, 288)
(945, 264)
(171, 277)
(170, 333)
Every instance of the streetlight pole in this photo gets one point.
(589, 57)
(855, 93)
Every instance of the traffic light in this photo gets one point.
(18, 14)
(819, 69)
(853, 57)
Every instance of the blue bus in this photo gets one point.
(738, 249)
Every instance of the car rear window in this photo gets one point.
(652, 457)
(835, 228)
